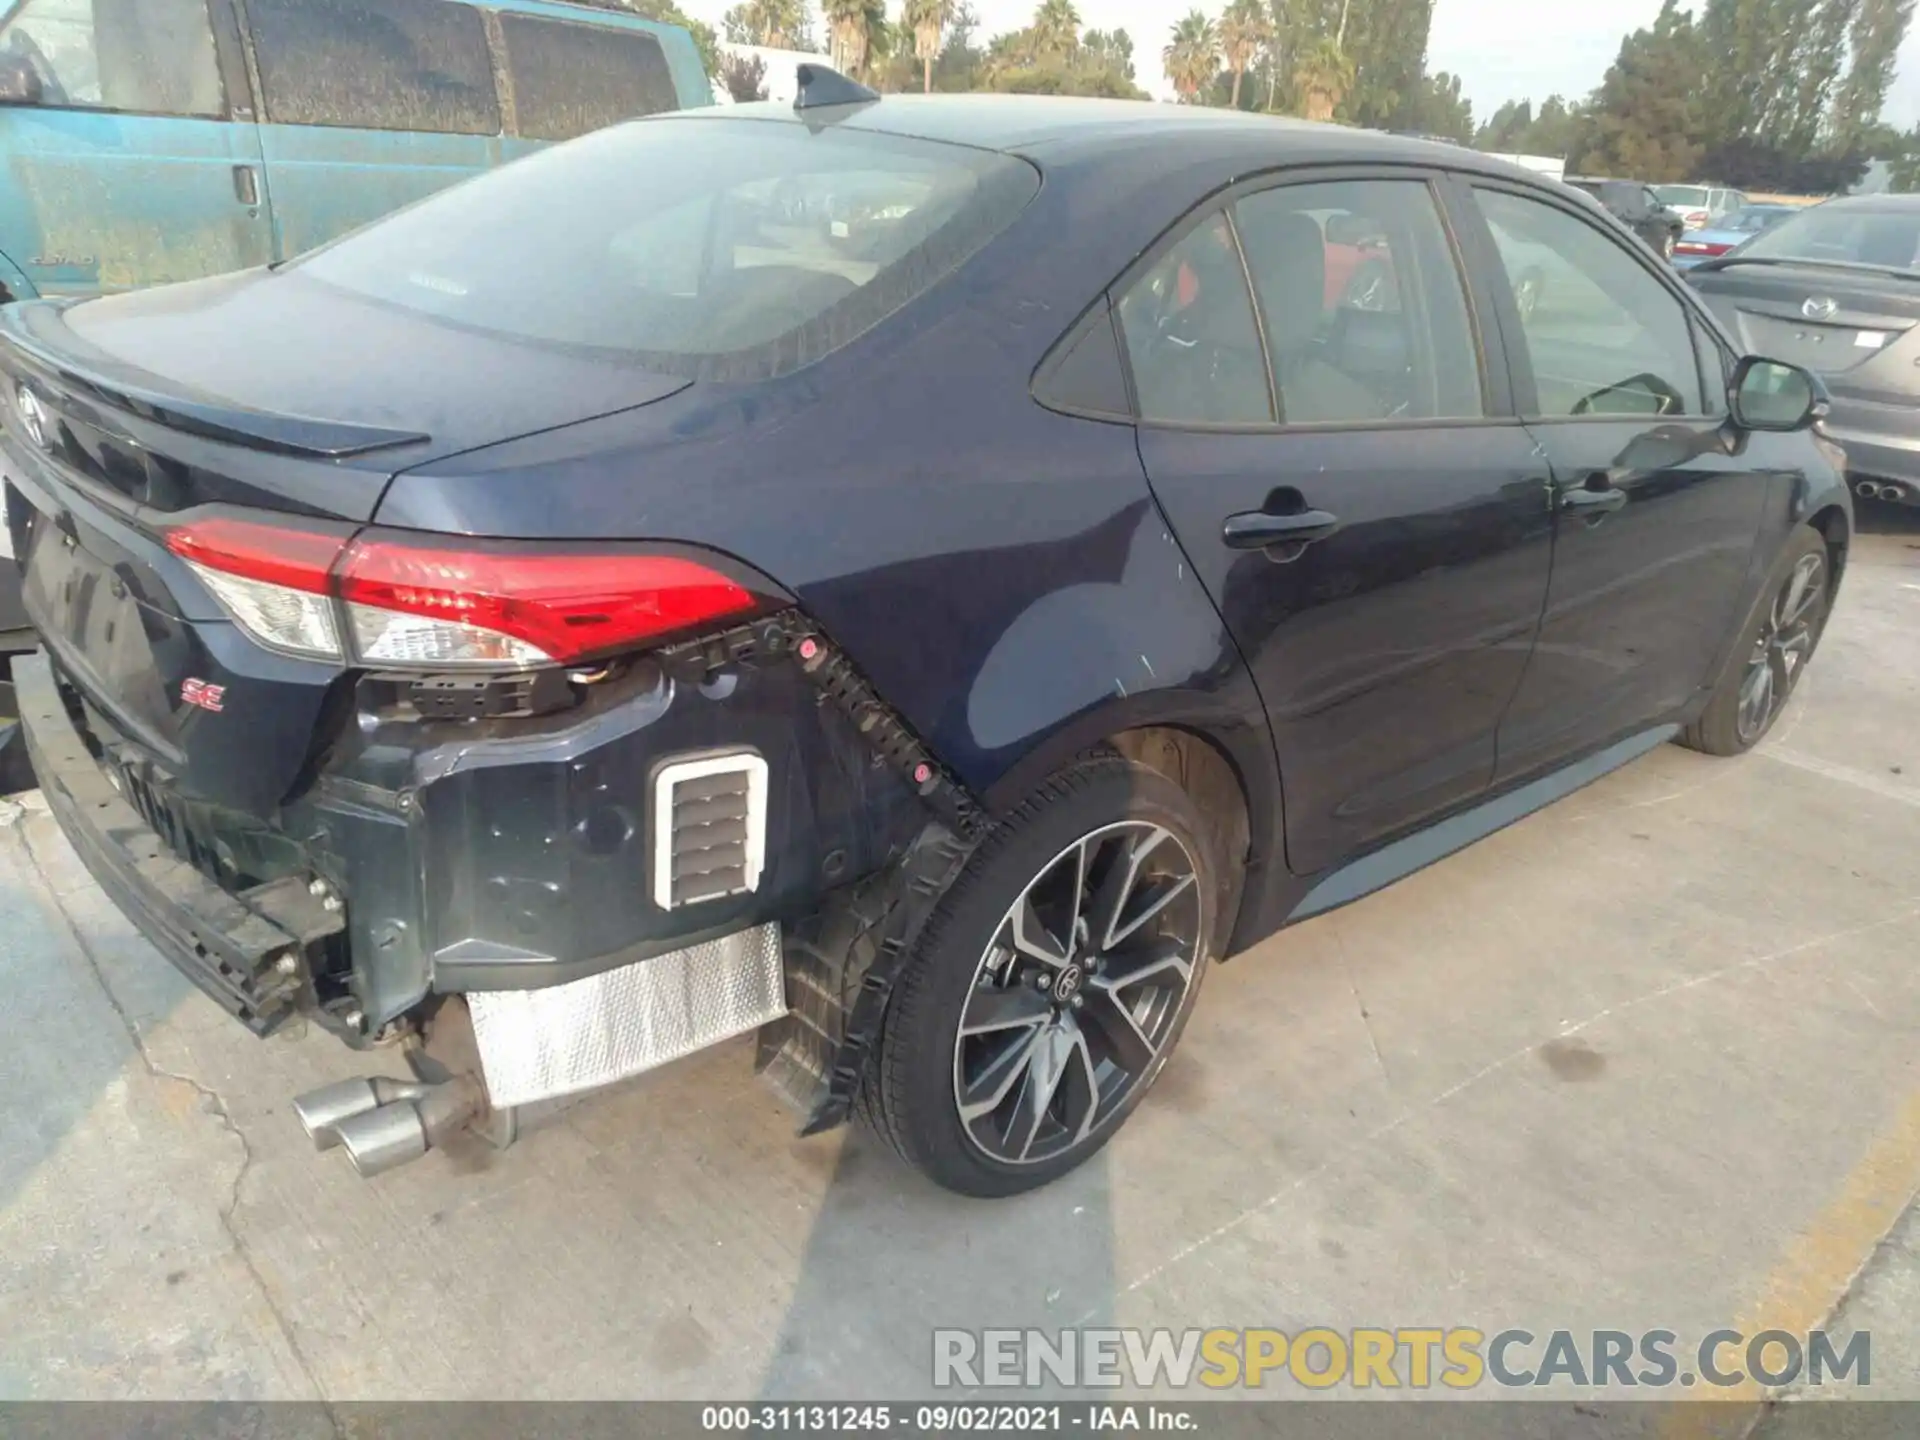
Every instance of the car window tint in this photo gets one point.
(1604, 337)
(1191, 339)
(571, 78)
(152, 57)
(375, 65)
(1364, 312)
(742, 250)
(1856, 235)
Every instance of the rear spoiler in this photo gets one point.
(34, 331)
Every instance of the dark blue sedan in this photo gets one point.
(916, 580)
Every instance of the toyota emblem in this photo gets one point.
(1820, 307)
(33, 416)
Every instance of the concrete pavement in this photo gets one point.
(1645, 1060)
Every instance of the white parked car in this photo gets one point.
(1698, 204)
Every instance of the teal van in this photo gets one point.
(147, 141)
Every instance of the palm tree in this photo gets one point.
(847, 34)
(1192, 57)
(1322, 75)
(1056, 28)
(927, 19)
(1243, 30)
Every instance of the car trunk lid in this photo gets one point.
(1836, 321)
(257, 396)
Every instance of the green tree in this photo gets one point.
(1323, 76)
(1056, 28)
(1109, 50)
(1192, 56)
(1242, 31)
(926, 21)
(1646, 119)
(1879, 27)
(775, 23)
(1387, 42)
(856, 29)
(1438, 108)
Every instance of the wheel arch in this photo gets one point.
(1224, 762)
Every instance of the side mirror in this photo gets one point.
(1773, 395)
(19, 81)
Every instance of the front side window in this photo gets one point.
(1602, 335)
(570, 78)
(1191, 337)
(1364, 311)
(152, 57)
(375, 65)
(710, 248)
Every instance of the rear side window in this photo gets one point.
(1364, 311)
(375, 65)
(1603, 336)
(569, 78)
(152, 57)
(710, 248)
(1191, 336)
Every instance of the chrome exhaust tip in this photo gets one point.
(383, 1123)
(1867, 489)
(1893, 492)
(383, 1138)
(323, 1111)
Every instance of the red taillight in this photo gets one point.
(295, 559)
(415, 602)
(1695, 219)
(565, 605)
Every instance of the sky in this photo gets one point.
(1501, 49)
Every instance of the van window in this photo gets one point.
(375, 65)
(569, 79)
(152, 57)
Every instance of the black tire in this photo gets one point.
(1725, 727)
(912, 1092)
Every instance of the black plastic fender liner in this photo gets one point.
(841, 963)
(842, 959)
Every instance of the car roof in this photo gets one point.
(1023, 124)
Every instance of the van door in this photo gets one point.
(368, 105)
(131, 153)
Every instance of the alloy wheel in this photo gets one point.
(1785, 641)
(1078, 994)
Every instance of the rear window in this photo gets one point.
(570, 78)
(375, 65)
(710, 248)
(1855, 236)
(1684, 197)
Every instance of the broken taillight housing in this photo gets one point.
(406, 601)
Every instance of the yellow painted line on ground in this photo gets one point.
(1816, 1269)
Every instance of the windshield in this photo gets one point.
(711, 248)
(1686, 197)
(1853, 235)
(1754, 218)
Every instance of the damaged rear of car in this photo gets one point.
(399, 668)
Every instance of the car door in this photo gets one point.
(132, 157)
(1344, 475)
(1657, 506)
(369, 105)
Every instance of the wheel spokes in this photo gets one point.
(1148, 901)
(1078, 992)
(1046, 1067)
(1013, 1008)
(1799, 595)
(1126, 1040)
(997, 1079)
